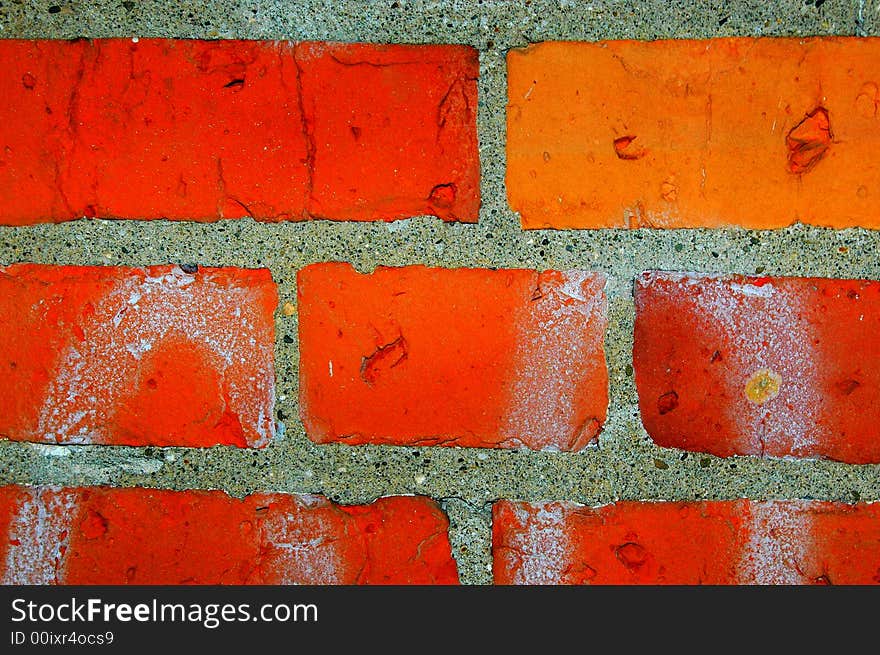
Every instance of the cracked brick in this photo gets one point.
(394, 130)
(204, 130)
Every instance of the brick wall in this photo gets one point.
(443, 298)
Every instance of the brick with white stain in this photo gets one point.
(759, 366)
(712, 542)
(466, 357)
(130, 356)
(136, 536)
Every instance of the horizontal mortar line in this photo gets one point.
(509, 224)
(607, 250)
(434, 29)
(536, 463)
(509, 219)
(490, 496)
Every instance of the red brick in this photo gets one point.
(224, 129)
(394, 130)
(759, 133)
(720, 542)
(159, 356)
(146, 536)
(760, 366)
(466, 357)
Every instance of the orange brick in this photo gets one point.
(148, 536)
(203, 130)
(721, 542)
(156, 356)
(466, 357)
(759, 366)
(758, 133)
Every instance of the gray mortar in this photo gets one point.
(868, 17)
(624, 464)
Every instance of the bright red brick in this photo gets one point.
(760, 366)
(159, 356)
(205, 130)
(393, 130)
(146, 536)
(720, 542)
(466, 357)
(759, 133)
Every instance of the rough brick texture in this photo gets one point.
(466, 357)
(155, 356)
(760, 366)
(145, 536)
(759, 133)
(721, 542)
(224, 129)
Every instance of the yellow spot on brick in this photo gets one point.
(288, 309)
(763, 386)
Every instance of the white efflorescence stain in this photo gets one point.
(221, 320)
(301, 547)
(38, 536)
(778, 545)
(559, 345)
(541, 542)
(771, 367)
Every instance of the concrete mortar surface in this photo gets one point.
(625, 464)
